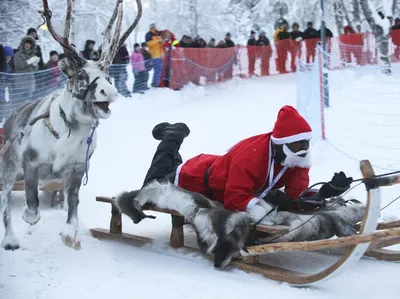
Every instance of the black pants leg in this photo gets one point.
(165, 162)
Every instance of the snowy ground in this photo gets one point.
(218, 116)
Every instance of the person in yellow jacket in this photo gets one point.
(155, 43)
(282, 47)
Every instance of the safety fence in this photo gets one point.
(362, 118)
(202, 66)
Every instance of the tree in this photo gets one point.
(380, 26)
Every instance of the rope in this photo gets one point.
(89, 143)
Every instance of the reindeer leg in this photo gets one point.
(70, 234)
(31, 212)
(10, 241)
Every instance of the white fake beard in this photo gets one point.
(294, 160)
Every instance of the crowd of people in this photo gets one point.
(153, 53)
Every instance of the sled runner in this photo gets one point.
(251, 261)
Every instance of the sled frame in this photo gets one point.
(251, 263)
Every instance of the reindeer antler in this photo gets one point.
(114, 42)
(133, 26)
(69, 51)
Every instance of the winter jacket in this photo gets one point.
(55, 72)
(237, 177)
(229, 43)
(122, 56)
(281, 34)
(263, 41)
(155, 48)
(310, 33)
(252, 42)
(25, 82)
(328, 33)
(296, 34)
(137, 62)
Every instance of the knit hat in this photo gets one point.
(31, 30)
(290, 127)
(8, 51)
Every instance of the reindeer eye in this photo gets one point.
(109, 80)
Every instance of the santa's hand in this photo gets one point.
(337, 186)
(279, 199)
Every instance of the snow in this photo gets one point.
(218, 116)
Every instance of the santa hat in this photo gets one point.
(290, 127)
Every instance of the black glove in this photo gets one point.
(280, 199)
(339, 184)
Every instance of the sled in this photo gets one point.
(356, 246)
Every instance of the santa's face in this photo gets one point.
(297, 154)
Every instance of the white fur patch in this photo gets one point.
(204, 228)
(71, 235)
(294, 160)
(259, 210)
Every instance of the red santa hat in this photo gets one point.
(290, 127)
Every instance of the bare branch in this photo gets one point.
(133, 26)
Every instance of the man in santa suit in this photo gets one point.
(251, 172)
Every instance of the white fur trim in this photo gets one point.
(178, 171)
(259, 210)
(293, 138)
(253, 202)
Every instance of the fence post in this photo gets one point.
(323, 87)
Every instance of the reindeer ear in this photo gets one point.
(68, 67)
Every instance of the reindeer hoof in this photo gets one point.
(31, 217)
(10, 242)
(70, 236)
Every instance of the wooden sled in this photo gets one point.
(356, 245)
(52, 187)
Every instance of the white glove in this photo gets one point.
(33, 60)
(298, 39)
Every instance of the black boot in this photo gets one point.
(163, 130)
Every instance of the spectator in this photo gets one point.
(26, 63)
(221, 44)
(88, 52)
(310, 37)
(228, 42)
(265, 52)
(148, 63)
(33, 33)
(186, 42)
(118, 70)
(55, 74)
(6, 55)
(211, 44)
(251, 52)
(297, 36)
(282, 39)
(395, 34)
(139, 70)
(155, 44)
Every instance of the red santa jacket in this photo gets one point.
(237, 176)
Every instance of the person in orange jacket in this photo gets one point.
(155, 43)
(250, 173)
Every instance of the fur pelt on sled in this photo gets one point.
(224, 233)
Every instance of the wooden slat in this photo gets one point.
(384, 254)
(52, 186)
(268, 271)
(269, 229)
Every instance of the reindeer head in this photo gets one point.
(88, 81)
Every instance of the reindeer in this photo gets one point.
(49, 139)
